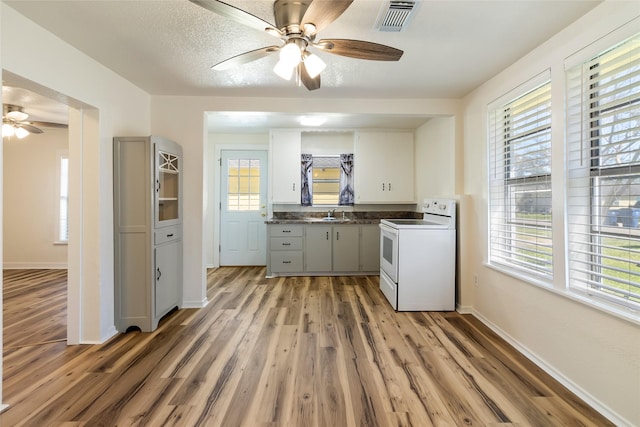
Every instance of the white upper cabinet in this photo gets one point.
(285, 166)
(384, 167)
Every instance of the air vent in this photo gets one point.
(396, 16)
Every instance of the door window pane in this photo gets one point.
(243, 188)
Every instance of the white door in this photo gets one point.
(243, 208)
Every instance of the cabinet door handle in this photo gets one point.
(389, 186)
(294, 186)
(337, 235)
(170, 235)
(327, 235)
(158, 274)
(157, 185)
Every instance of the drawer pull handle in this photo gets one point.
(286, 244)
(286, 262)
(286, 231)
(170, 235)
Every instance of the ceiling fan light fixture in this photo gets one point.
(313, 64)
(8, 130)
(17, 116)
(290, 54)
(283, 70)
(309, 29)
(21, 133)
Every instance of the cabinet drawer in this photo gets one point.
(167, 234)
(286, 230)
(286, 244)
(286, 261)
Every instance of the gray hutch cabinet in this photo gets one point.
(147, 177)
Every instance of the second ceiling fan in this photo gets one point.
(297, 23)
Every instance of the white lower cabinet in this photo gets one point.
(317, 249)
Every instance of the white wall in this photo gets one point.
(104, 105)
(596, 354)
(327, 143)
(435, 150)
(31, 205)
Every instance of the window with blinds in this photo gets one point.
(603, 154)
(520, 182)
(326, 180)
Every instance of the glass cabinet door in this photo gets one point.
(167, 187)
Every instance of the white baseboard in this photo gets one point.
(112, 332)
(3, 407)
(557, 375)
(464, 309)
(34, 265)
(195, 304)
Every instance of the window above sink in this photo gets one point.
(326, 169)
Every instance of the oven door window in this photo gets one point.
(387, 249)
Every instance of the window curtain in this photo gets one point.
(306, 171)
(346, 180)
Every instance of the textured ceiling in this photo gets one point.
(167, 47)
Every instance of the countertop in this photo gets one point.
(356, 218)
(315, 221)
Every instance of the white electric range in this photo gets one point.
(418, 258)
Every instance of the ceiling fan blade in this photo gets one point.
(359, 49)
(311, 83)
(49, 124)
(31, 129)
(321, 13)
(238, 15)
(244, 58)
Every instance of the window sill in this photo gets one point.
(615, 310)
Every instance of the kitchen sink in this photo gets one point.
(327, 219)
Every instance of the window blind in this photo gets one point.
(603, 181)
(520, 183)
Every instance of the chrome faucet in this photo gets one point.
(331, 213)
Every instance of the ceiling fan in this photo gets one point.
(297, 23)
(14, 122)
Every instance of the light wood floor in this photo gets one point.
(275, 352)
